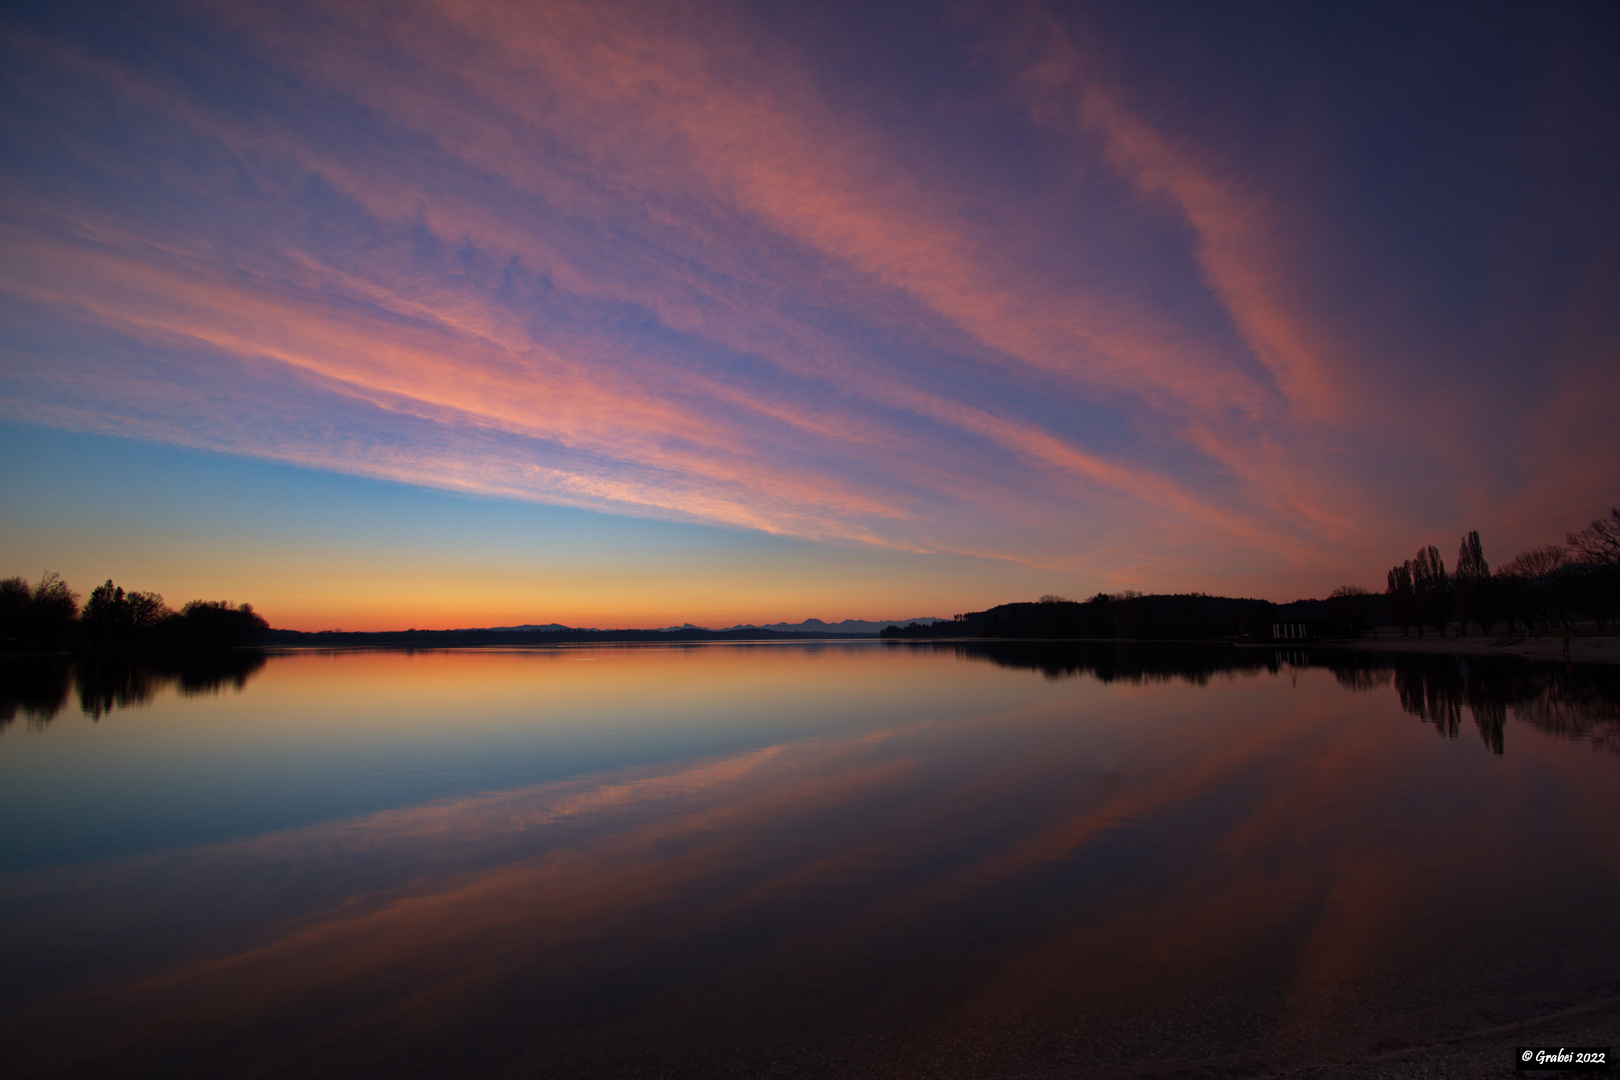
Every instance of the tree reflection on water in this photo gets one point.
(41, 687)
(1574, 701)
(1571, 701)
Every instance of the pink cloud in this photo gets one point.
(643, 245)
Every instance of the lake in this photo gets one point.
(846, 859)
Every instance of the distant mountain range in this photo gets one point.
(525, 628)
(848, 626)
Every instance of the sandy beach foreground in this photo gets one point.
(1592, 649)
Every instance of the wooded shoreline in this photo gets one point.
(1541, 598)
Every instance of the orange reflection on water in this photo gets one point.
(1253, 869)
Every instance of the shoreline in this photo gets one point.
(1592, 649)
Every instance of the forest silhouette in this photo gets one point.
(1548, 587)
(47, 617)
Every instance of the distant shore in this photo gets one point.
(1588, 649)
(1583, 649)
(465, 639)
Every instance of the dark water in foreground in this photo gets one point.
(861, 860)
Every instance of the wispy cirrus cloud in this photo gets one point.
(639, 258)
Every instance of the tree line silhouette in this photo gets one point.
(1555, 584)
(1349, 612)
(1122, 615)
(1543, 587)
(47, 617)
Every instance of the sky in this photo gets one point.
(444, 313)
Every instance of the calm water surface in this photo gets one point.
(836, 860)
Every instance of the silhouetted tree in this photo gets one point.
(1600, 589)
(105, 606)
(214, 624)
(1402, 598)
(147, 610)
(15, 596)
(1432, 588)
(1599, 542)
(1473, 585)
(1596, 550)
(111, 615)
(1536, 574)
(52, 611)
(1512, 595)
(1347, 606)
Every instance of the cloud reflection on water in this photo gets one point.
(1197, 867)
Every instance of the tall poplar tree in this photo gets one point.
(1432, 587)
(1402, 600)
(1473, 578)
